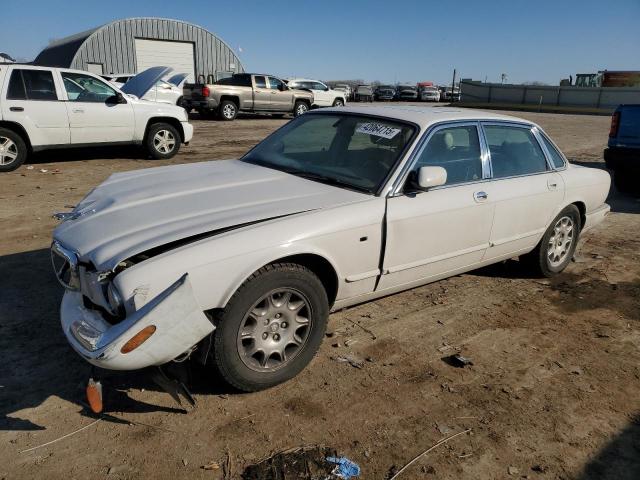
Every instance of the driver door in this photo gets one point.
(94, 116)
(435, 233)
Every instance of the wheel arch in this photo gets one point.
(233, 98)
(319, 264)
(18, 129)
(582, 208)
(174, 122)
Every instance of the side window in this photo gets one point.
(36, 85)
(318, 86)
(16, 89)
(514, 151)
(85, 88)
(457, 150)
(556, 157)
(274, 83)
(261, 82)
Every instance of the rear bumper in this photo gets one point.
(596, 217)
(179, 322)
(202, 104)
(621, 157)
(187, 128)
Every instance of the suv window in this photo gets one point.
(457, 150)
(318, 86)
(261, 82)
(556, 157)
(275, 83)
(85, 88)
(514, 151)
(31, 85)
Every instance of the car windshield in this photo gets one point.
(349, 151)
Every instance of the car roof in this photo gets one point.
(296, 79)
(424, 116)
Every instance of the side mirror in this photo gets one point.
(429, 177)
(282, 87)
(116, 99)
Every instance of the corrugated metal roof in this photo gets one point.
(113, 46)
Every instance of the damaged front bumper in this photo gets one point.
(178, 320)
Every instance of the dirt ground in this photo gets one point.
(552, 393)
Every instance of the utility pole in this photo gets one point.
(453, 84)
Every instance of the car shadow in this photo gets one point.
(38, 363)
(619, 459)
(132, 152)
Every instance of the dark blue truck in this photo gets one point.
(623, 152)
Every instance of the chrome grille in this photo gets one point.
(65, 266)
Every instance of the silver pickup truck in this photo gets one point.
(245, 92)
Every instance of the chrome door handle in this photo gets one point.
(481, 196)
(78, 110)
(552, 185)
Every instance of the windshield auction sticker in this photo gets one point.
(378, 129)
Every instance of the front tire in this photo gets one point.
(271, 327)
(300, 108)
(338, 102)
(13, 150)
(558, 244)
(162, 141)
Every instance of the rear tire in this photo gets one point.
(271, 327)
(228, 110)
(558, 244)
(300, 108)
(162, 141)
(13, 150)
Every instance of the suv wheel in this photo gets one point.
(558, 244)
(338, 102)
(13, 150)
(300, 108)
(162, 141)
(271, 327)
(228, 110)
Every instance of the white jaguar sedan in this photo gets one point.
(242, 260)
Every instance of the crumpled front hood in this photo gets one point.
(133, 212)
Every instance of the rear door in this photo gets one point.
(525, 188)
(32, 97)
(94, 114)
(261, 93)
(281, 96)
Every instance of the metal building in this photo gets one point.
(133, 44)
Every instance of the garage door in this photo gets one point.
(177, 55)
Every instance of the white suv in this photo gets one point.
(323, 96)
(43, 108)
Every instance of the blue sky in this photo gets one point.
(391, 41)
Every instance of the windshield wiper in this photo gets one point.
(318, 177)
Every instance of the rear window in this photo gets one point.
(556, 157)
(239, 80)
(31, 85)
(514, 151)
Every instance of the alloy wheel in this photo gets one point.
(560, 241)
(164, 141)
(8, 151)
(228, 111)
(302, 108)
(274, 330)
